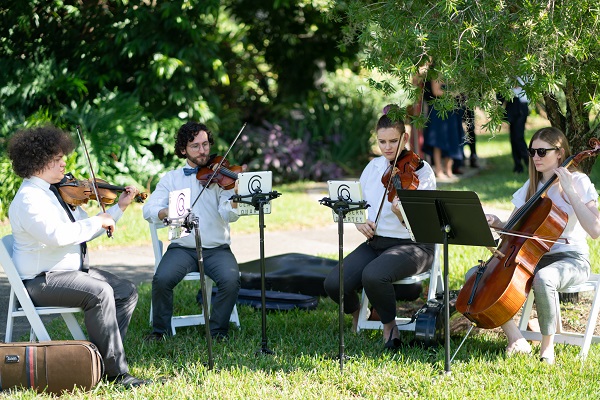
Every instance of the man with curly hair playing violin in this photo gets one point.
(49, 247)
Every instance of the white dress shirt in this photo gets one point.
(45, 238)
(574, 232)
(373, 190)
(213, 209)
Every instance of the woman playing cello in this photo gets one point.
(389, 254)
(565, 264)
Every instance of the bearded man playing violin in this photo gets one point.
(49, 247)
(214, 211)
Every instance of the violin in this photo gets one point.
(225, 176)
(78, 191)
(402, 174)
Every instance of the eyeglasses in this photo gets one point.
(541, 152)
(196, 146)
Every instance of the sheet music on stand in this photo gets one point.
(179, 208)
(349, 191)
(250, 183)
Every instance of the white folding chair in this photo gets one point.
(435, 285)
(584, 340)
(20, 304)
(184, 320)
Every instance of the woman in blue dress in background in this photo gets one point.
(442, 138)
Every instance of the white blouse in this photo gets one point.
(373, 190)
(574, 232)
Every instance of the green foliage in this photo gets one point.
(297, 41)
(9, 187)
(131, 72)
(479, 49)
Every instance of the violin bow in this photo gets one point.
(509, 232)
(219, 165)
(94, 183)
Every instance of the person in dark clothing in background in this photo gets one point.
(517, 110)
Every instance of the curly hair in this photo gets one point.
(31, 150)
(187, 133)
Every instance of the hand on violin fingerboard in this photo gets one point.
(127, 196)
(396, 208)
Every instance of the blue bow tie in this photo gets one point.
(190, 171)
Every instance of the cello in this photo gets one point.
(499, 288)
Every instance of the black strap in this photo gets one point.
(84, 265)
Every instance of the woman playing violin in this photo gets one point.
(214, 211)
(565, 264)
(389, 254)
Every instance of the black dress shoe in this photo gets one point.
(220, 337)
(128, 381)
(155, 337)
(392, 344)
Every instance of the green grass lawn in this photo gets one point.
(305, 343)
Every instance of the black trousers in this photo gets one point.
(375, 265)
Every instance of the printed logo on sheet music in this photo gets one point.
(356, 217)
(255, 184)
(180, 204)
(343, 192)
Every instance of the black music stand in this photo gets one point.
(342, 207)
(258, 200)
(448, 217)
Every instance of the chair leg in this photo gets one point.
(526, 312)
(73, 326)
(10, 318)
(235, 319)
(363, 314)
(591, 325)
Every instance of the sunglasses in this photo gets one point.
(541, 152)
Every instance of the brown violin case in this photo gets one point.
(51, 367)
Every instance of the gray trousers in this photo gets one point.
(375, 265)
(219, 264)
(553, 273)
(107, 302)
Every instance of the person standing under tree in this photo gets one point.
(517, 111)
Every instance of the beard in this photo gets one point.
(200, 161)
